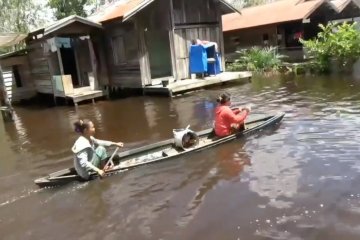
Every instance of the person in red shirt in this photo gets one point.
(227, 121)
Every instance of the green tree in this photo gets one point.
(248, 3)
(19, 15)
(65, 8)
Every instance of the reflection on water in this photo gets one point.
(298, 181)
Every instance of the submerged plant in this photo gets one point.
(257, 59)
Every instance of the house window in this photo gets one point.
(265, 37)
(118, 47)
(17, 77)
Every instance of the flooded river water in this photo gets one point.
(299, 181)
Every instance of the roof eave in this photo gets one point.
(345, 4)
(144, 4)
(228, 5)
(50, 30)
(261, 25)
(317, 6)
(137, 9)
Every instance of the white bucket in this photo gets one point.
(185, 138)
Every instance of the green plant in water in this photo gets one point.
(336, 43)
(257, 59)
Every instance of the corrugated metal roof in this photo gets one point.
(11, 39)
(125, 9)
(14, 54)
(65, 22)
(276, 12)
(117, 9)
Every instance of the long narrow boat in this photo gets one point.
(162, 151)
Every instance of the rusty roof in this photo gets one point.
(124, 9)
(115, 10)
(277, 12)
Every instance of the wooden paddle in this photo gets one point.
(110, 163)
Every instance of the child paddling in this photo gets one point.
(90, 153)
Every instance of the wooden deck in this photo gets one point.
(188, 85)
(86, 95)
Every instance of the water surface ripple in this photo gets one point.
(298, 181)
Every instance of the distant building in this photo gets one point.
(282, 23)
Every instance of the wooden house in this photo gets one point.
(282, 24)
(16, 79)
(65, 59)
(147, 41)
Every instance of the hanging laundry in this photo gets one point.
(63, 42)
(52, 45)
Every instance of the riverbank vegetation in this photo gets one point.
(336, 46)
(258, 60)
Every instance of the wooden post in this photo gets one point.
(93, 63)
(172, 40)
(60, 61)
(2, 85)
(78, 68)
(143, 54)
(221, 35)
(60, 65)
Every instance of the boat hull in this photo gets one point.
(161, 151)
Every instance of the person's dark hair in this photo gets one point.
(223, 98)
(81, 125)
(193, 42)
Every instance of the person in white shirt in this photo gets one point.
(89, 152)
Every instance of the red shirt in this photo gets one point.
(224, 117)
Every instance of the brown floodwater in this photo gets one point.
(298, 181)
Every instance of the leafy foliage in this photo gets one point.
(19, 15)
(65, 8)
(257, 59)
(336, 43)
(248, 3)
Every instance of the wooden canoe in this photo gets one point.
(161, 151)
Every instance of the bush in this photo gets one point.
(336, 43)
(257, 59)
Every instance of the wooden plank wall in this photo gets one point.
(194, 12)
(193, 20)
(27, 89)
(247, 38)
(153, 26)
(98, 41)
(39, 66)
(182, 39)
(126, 74)
(143, 54)
(84, 60)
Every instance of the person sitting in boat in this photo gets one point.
(90, 153)
(227, 120)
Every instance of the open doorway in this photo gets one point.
(69, 64)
